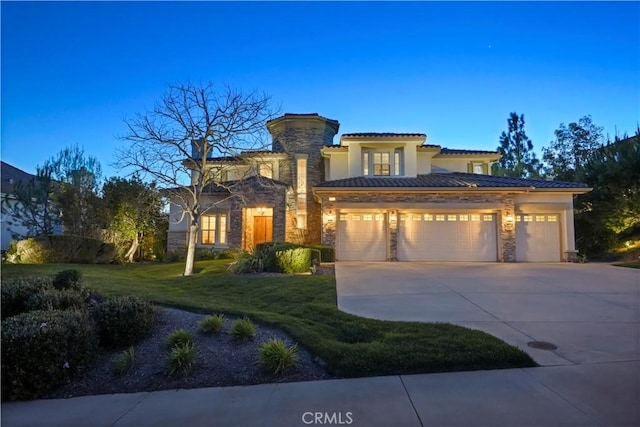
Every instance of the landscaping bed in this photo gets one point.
(301, 306)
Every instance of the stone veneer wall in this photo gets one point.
(303, 134)
(400, 201)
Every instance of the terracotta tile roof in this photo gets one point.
(381, 135)
(447, 180)
(453, 151)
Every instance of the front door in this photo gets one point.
(262, 229)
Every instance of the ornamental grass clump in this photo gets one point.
(212, 324)
(243, 329)
(276, 356)
(123, 362)
(180, 337)
(181, 359)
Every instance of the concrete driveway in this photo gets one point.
(591, 312)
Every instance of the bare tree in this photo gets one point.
(192, 123)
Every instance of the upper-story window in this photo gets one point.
(382, 163)
(478, 168)
(265, 169)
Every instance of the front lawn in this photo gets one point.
(305, 308)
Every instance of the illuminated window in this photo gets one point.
(378, 217)
(439, 217)
(539, 218)
(518, 218)
(417, 217)
(464, 217)
(428, 217)
(381, 164)
(365, 163)
(208, 229)
(488, 218)
(355, 217)
(475, 217)
(265, 169)
(452, 217)
(344, 217)
(301, 203)
(213, 229)
(403, 217)
(367, 217)
(527, 218)
(552, 218)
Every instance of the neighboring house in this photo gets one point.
(381, 196)
(10, 177)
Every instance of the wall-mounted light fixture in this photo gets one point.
(509, 218)
(261, 211)
(329, 217)
(394, 216)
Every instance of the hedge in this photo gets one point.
(61, 249)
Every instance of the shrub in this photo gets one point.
(296, 260)
(53, 299)
(42, 349)
(327, 253)
(212, 324)
(227, 254)
(123, 321)
(123, 362)
(181, 359)
(16, 293)
(180, 337)
(204, 254)
(62, 249)
(247, 262)
(68, 279)
(276, 356)
(243, 329)
(175, 256)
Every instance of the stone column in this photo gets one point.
(329, 219)
(392, 217)
(507, 224)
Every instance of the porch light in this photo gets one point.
(332, 199)
(261, 211)
(509, 218)
(329, 217)
(393, 217)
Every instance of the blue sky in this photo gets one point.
(72, 71)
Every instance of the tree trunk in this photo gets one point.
(191, 247)
(132, 250)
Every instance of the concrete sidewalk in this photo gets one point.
(584, 395)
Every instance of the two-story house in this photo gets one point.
(381, 196)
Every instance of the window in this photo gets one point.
(464, 217)
(367, 217)
(428, 217)
(344, 217)
(477, 168)
(539, 218)
(488, 218)
(381, 164)
(439, 217)
(265, 169)
(365, 163)
(417, 217)
(452, 217)
(378, 217)
(552, 218)
(475, 217)
(301, 187)
(213, 229)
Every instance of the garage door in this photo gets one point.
(538, 237)
(447, 237)
(362, 237)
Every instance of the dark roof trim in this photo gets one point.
(382, 135)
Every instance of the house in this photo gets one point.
(10, 226)
(381, 196)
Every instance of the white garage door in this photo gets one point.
(538, 237)
(447, 237)
(362, 237)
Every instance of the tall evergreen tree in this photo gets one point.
(518, 159)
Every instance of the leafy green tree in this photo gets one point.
(567, 155)
(518, 159)
(76, 179)
(611, 212)
(134, 210)
(30, 206)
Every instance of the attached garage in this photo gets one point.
(426, 236)
(362, 236)
(538, 237)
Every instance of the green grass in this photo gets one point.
(633, 264)
(305, 308)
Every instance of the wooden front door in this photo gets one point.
(262, 229)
